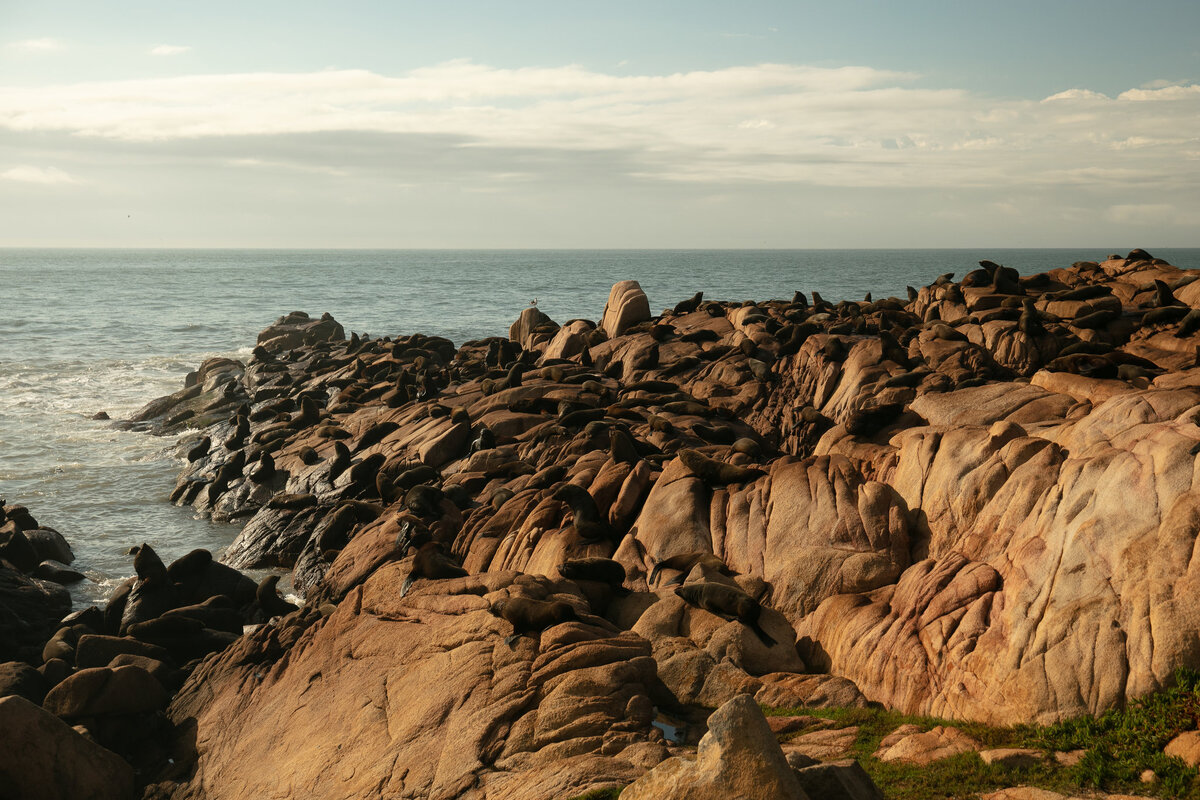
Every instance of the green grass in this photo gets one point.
(1120, 745)
(601, 794)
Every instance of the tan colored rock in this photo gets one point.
(1185, 746)
(44, 758)
(423, 697)
(788, 690)
(738, 757)
(829, 744)
(627, 306)
(571, 340)
(533, 330)
(925, 747)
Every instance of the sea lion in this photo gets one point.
(424, 501)
(362, 474)
(700, 336)
(200, 450)
(1165, 315)
(869, 421)
(912, 294)
(941, 330)
(1096, 319)
(269, 601)
(1088, 292)
(601, 570)
(621, 447)
(340, 462)
(717, 473)
(432, 562)
(422, 473)
(728, 602)
(500, 497)
(835, 349)
(241, 429)
(1189, 324)
(264, 471)
(527, 615)
(1030, 321)
(689, 305)
(376, 433)
(485, 441)
(587, 521)
(308, 455)
(717, 434)
(686, 562)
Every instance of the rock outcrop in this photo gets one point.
(976, 503)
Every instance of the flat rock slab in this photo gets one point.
(1033, 793)
(782, 726)
(908, 745)
(830, 744)
(1012, 756)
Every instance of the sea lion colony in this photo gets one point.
(736, 491)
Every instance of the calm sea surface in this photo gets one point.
(83, 331)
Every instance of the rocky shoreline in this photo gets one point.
(532, 565)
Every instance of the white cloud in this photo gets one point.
(169, 49)
(767, 123)
(47, 176)
(36, 45)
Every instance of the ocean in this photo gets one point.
(84, 331)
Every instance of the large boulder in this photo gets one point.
(627, 306)
(44, 758)
(738, 757)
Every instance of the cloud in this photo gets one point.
(36, 45)
(47, 176)
(168, 49)
(851, 126)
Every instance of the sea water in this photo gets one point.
(83, 331)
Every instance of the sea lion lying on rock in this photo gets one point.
(717, 473)
(728, 602)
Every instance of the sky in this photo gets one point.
(600, 125)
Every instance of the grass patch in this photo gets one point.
(1119, 746)
(611, 793)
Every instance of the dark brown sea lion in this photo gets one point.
(200, 450)
(424, 501)
(726, 601)
(308, 455)
(689, 305)
(602, 570)
(586, 516)
(340, 462)
(376, 433)
(1189, 324)
(527, 615)
(717, 473)
(1030, 321)
(269, 601)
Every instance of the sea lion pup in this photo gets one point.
(686, 562)
(269, 601)
(592, 528)
(717, 473)
(200, 450)
(601, 570)
(912, 293)
(432, 562)
(527, 615)
(728, 602)
(308, 455)
(417, 475)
